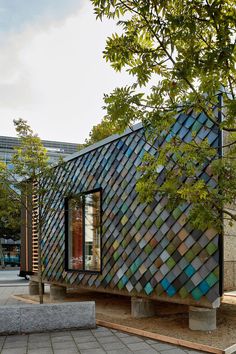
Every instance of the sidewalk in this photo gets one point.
(96, 341)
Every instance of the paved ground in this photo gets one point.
(95, 341)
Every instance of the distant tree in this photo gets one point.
(101, 131)
(184, 54)
(31, 173)
(9, 218)
(9, 215)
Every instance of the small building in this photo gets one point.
(103, 239)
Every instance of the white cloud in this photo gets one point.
(55, 76)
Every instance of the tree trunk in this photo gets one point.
(2, 256)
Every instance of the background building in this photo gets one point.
(55, 148)
(10, 248)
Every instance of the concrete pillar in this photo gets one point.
(202, 319)
(33, 287)
(57, 292)
(141, 307)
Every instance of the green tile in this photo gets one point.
(211, 248)
(159, 222)
(148, 210)
(189, 256)
(124, 243)
(148, 223)
(170, 263)
(148, 249)
(183, 292)
(170, 248)
(211, 279)
(216, 272)
(124, 220)
(116, 256)
(138, 224)
(196, 294)
(196, 126)
(176, 213)
(120, 285)
(124, 208)
(196, 248)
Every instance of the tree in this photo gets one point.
(9, 215)
(182, 56)
(101, 131)
(31, 173)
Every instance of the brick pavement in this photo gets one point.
(96, 341)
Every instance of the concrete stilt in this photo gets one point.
(202, 319)
(57, 292)
(141, 307)
(33, 287)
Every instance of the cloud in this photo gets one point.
(54, 75)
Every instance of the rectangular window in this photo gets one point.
(84, 232)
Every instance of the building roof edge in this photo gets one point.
(103, 142)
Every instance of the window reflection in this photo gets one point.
(92, 231)
(84, 232)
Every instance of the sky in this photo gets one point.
(52, 72)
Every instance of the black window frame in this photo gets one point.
(66, 203)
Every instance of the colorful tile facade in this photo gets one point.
(146, 249)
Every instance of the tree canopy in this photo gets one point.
(31, 173)
(182, 56)
(101, 131)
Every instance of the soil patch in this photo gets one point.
(171, 319)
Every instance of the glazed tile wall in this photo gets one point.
(146, 249)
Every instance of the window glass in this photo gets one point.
(84, 232)
(92, 231)
(75, 233)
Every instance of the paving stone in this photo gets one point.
(121, 334)
(110, 339)
(139, 346)
(38, 345)
(111, 346)
(64, 345)
(151, 341)
(85, 339)
(15, 344)
(13, 351)
(162, 346)
(93, 351)
(36, 337)
(81, 333)
(173, 351)
(146, 351)
(17, 338)
(66, 351)
(40, 351)
(59, 333)
(102, 334)
(61, 339)
(102, 329)
(90, 345)
(131, 339)
(118, 351)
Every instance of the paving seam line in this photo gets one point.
(155, 336)
(162, 338)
